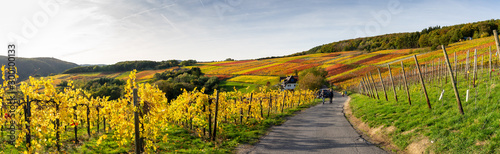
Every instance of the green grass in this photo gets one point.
(240, 86)
(477, 131)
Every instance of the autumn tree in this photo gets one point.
(313, 78)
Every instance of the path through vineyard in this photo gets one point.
(319, 129)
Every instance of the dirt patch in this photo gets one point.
(408, 132)
(244, 148)
(419, 147)
(481, 143)
(390, 129)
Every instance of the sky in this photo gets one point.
(110, 31)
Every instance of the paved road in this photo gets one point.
(319, 129)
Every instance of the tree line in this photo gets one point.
(429, 37)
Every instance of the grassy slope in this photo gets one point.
(475, 132)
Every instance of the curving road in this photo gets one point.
(319, 129)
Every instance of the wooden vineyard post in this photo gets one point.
(270, 106)
(392, 83)
(453, 83)
(497, 43)
(482, 64)
(241, 111)
(467, 68)
(76, 126)
(88, 120)
(474, 74)
(210, 119)
(422, 81)
(136, 124)
(406, 83)
(27, 116)
(456, 61)
(215, 117)
(261, 108)
(300, 94)
(490, 66)
(249, 113)
(440, 78)
(374, 86)
(283, 102)
(363, 87)
(367, 87)
(382, 82)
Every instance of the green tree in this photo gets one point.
(313, 78)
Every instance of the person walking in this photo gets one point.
(331, 96)
(322, 95)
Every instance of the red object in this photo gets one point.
(7, 116)
(73, 124)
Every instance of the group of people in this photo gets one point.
(328, 93)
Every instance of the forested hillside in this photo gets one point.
(429, 37)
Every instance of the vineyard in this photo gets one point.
(48, 119)
(448, 101)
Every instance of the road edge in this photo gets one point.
(377, 137)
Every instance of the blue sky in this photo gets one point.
(109, 31)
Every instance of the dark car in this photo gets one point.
(323, 93)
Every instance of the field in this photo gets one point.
(344, 68)
(438, 123)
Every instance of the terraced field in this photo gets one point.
(344, 68)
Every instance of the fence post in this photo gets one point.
(406, 83)
(474, 74)
(249, 113)
(270, 107)
(136, 123)
(283, 103)
(467, 65)
(368, 88)
(27, 114)
(74, 124)
(490, 65)
(392, 83)
(241, 111)
(215, 118)
(209, 119)
(261, 108)
(497, 43)
(422, 81)
(382, 82)
(373, 84)
(453, 83)
(88, 119)
(365, 91)
(456, 61)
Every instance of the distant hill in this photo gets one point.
(38, 66)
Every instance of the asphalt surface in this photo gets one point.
(319, 129)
